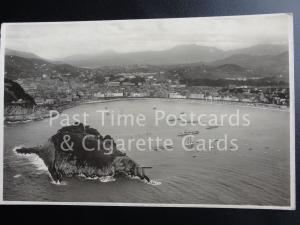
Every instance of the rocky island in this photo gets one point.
(104, 160)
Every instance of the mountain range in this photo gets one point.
(263, 63)
(197, 61)
(180, 54)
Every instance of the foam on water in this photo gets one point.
(63, 183)
(103, 179)
(40, 166)
(202, 177)
(17, 122)
(107, 179)
(17, 147)
(33, 159)
(153, 182)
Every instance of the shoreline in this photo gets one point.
(60, 109)
(242, 104)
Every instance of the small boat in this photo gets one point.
(170, 146)
(189, 142)
(192, 121)
(211, 127)
(161, 147)
(188, 133)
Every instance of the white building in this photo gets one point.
(216, 98)
(114, 94)
(138, 94)
(113, 83)
(99, 95)
(50, 101)
(197, 96)
(209, 98)
(176, 95)
(227, 98)
(39, 101)
(128, 84)
(177, 85)
(246, 100)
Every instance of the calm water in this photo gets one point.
(256, 174)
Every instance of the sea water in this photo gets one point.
(255, 174)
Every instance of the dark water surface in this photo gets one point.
(256, 174)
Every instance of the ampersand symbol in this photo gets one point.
(66, 140)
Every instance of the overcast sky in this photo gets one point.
(57, 40)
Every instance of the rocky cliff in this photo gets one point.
(13, 93)
(20, 106)
(68, 153)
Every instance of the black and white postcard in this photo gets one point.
(183, 112)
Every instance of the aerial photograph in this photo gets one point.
(162, 112)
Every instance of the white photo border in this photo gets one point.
(292, 162)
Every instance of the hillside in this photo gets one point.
(234, 66)
(262, 63)
(18, 67)
(21, 54)
(261, 49)
(13, 92)
(203, 71)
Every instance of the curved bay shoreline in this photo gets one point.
(16, 119)
(242, 104)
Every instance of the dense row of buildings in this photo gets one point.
(57, 91)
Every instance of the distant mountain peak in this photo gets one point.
(194, 46)
(22, 54)
(262, 49)
(180, 54)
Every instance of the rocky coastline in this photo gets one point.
(104, 160)
(19, 114)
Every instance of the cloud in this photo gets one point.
(56, 40)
